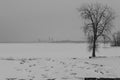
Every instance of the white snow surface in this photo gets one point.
(57, 61)
(53, 50)
(60, 68)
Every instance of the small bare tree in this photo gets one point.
(116, 39)
(98, 20)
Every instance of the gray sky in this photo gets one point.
(29, 20)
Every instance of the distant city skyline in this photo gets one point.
(34, 20)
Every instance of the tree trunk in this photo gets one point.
(93, 54)
(94, 47)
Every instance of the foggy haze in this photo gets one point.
(30, 20)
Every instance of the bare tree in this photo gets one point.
(98, 21)
(116, 39)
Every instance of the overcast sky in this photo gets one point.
(29, 20)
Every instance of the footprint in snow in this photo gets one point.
(86, 62)
(11, 78)
(51, 79)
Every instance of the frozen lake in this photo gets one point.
(52, 50)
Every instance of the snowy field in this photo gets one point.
(53, 50)
(47, 61)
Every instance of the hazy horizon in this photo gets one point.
(34, 20)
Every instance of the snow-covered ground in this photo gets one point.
(53, 50)
(57, 61)
(59, 68)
